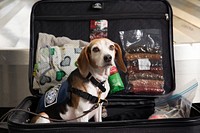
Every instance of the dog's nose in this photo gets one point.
(107, 58)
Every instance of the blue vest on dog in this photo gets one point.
(54, 96)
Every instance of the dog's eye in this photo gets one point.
(112, 47)
(96, 49)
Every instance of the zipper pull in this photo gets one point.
(166, 16)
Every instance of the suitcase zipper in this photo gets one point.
(103, 16)
(166, 16)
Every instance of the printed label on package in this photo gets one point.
(144, 64)
(98, 29)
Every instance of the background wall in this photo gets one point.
(14, 50)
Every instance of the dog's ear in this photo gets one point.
(119, 59)
(83, 62)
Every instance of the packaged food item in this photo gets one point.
(98, 29)
(143, 56)
(143, 86)
(115, 81)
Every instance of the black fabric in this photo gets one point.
(96, 83)
(87, 96)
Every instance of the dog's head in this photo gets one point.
(100, 53)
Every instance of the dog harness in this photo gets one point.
(61, 93)
(87, 96)
(96, 82)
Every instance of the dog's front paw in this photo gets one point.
(39, 119)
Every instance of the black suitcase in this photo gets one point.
(3, 127)
(126, 112)
(3, 122)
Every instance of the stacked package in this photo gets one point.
(143, 56)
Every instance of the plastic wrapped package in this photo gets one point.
(115, 81)
(143, 56)
(143, 86)
(177, 105)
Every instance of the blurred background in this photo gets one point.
(14, 50)
(14, 47)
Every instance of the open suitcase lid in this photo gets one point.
(60, 18)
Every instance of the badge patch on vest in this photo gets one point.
(51, 96)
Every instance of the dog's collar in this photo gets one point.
(87, 96)
(96, 82)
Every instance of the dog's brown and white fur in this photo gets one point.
(97, 58)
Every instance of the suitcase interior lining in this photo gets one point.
(69, 22)
(71, 28)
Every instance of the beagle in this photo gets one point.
(88, 83)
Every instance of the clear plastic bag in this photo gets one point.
(176, 105)
(143, 56)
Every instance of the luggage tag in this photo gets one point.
(98, 29)
(104, 112)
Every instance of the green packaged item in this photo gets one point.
(115, 81)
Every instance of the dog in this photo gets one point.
(89, 83)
